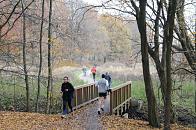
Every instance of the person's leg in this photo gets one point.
(70, 104)
(94, 76)
(64, 107)
(100, 100)
(103, 101)
(85, 73)
(99, 104)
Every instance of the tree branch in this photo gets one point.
(17, 19)
(9, 17)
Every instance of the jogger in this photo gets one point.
(68, 90)
(65, 101)
(102, 85)
(93, 70)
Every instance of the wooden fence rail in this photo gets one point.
(85, 94)
(120, 98)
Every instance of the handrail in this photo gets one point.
(121, 85)
(120, 98)
(84, 85)
(84, 94)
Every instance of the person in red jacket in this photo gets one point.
(93, 71)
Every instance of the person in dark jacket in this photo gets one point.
(109, 79)
(68, 90)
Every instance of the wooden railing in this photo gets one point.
(85, 94)
(120, 98)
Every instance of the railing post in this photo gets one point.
(111, 103)
(76, 97)
(88, 89)
(117, 97)
(117, 112)
(121, 96)
(129, 103)
(93, 91)
(82, 95)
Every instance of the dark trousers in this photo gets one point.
(94, 76)
(65, 101)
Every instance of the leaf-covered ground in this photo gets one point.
(118, 123)
(85, 118)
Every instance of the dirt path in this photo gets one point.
(90, 118)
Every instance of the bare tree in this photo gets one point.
(141, 22)
(24, 59)
(167, 45)
(40, 56)
(182, 33)
(49, 58)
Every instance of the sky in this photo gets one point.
(93, 1)
(190, 10)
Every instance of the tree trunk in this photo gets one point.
(40, 56)
(161, 65)
(168, 39)
(51, 96)
(24, 59)
(195, 62)
(195, 91)
(49, 59)
(183, 36)
(185, 40)
(152, 106)
(0, 33)
(155, 54)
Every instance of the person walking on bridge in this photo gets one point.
(109, 79)
(93, 70)
(68, 90)
(102, 85)
(84, 69)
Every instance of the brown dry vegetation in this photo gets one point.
(78, 120)
(21, 120)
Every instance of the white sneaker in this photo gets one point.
(63, 116)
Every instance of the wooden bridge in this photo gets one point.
(117, 102)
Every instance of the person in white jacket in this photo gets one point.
(103, 87)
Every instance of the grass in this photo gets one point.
(183, 97)
(116, 83)
(180, 97)
(10, 88)
(138, 90)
